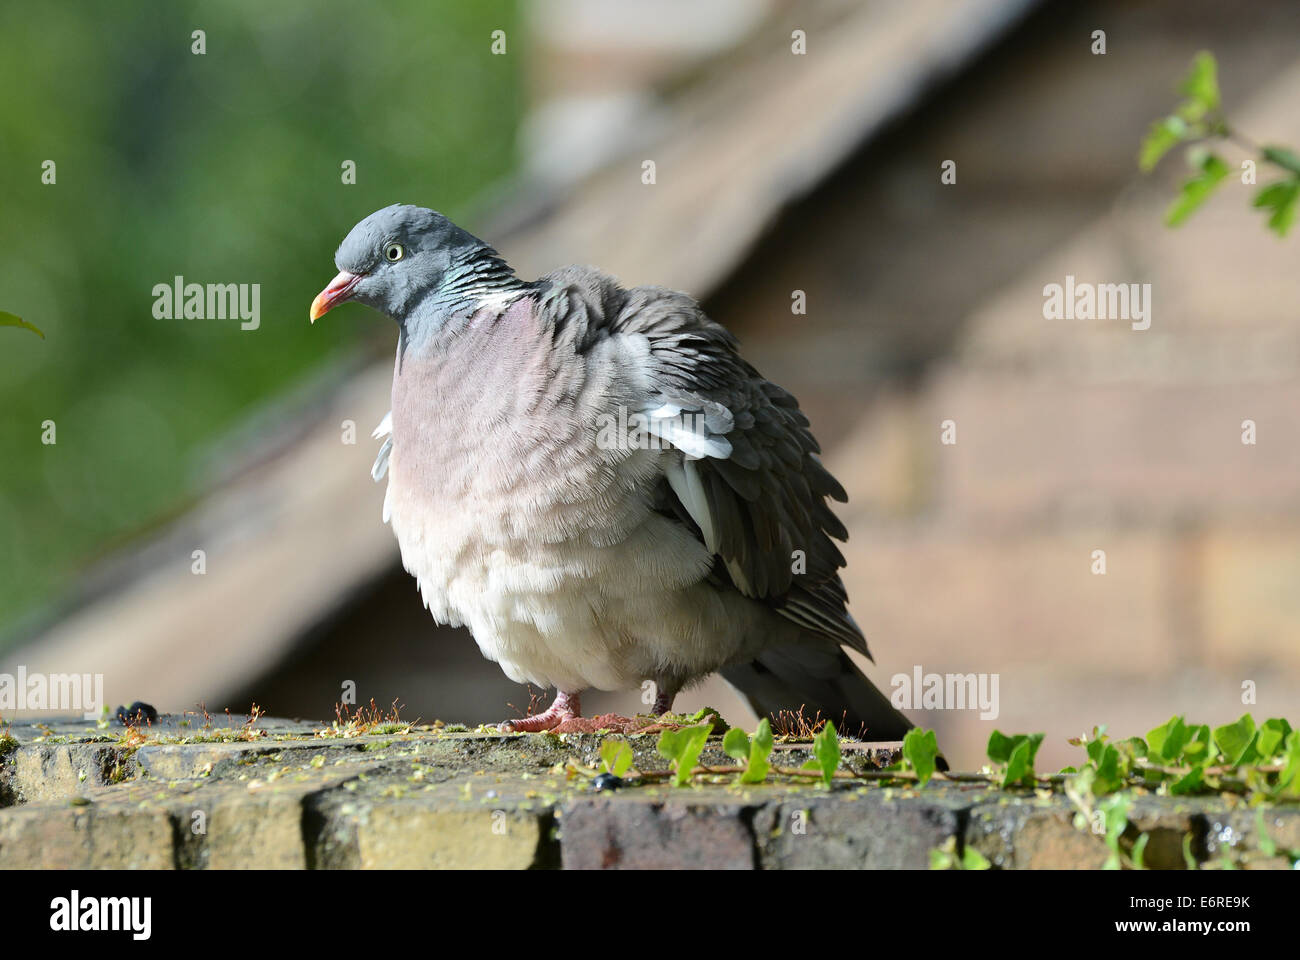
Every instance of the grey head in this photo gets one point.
(406, 261)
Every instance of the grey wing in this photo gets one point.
(748, 477)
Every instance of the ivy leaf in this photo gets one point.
(753, 753)
(736, 744)
(1000, 746)
(760, 749)
(1288, 781)
(1109, 776)
(615, 757)
(826, 753)
(1236, 741)
(1167, 742)
(1017, 752)
(1279, 197)
(1211, 171)
(920, 747)
(1189, 783)
(1020, 766)
(9, 320)
(1096, 749)
(682, 748)
(1272, 734)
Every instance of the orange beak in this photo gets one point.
(339, 290)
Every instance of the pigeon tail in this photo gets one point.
(817, 680)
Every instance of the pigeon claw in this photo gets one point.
(565, 707)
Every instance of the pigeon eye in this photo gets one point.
(394, 252)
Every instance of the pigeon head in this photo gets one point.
(396, 258)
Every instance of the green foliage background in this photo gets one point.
(223, 168)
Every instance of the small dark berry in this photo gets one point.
(607, 781)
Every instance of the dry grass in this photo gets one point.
(535, 703)
(367, 719)
(795, 725)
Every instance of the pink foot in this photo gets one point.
(565, 707)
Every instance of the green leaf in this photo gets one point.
(615, 757)
(754, 753)
(1280, 198)
(760, 749)
(736, 744)
(1196, 190)
(972, 859)
(1283, 157)
(920, 748)
(682, 748)
(1188, 857)
(1000, 746)
(1163, 136)
(826, 752)
(1114, 810)
(1096, 748)
(1109, 775)
(1288, 781)
(1020, 766)
(1017, 752)
(1167, 742)
(1189, 783)
(9, 320)
(1236, 741)
(1139, 848)
(1272, 735)
(1201, 87)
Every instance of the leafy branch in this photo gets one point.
(1199, 120)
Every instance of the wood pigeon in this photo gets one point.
(594, 482)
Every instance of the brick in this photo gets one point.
(858, 831)
(645, 833)
(42, 836)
